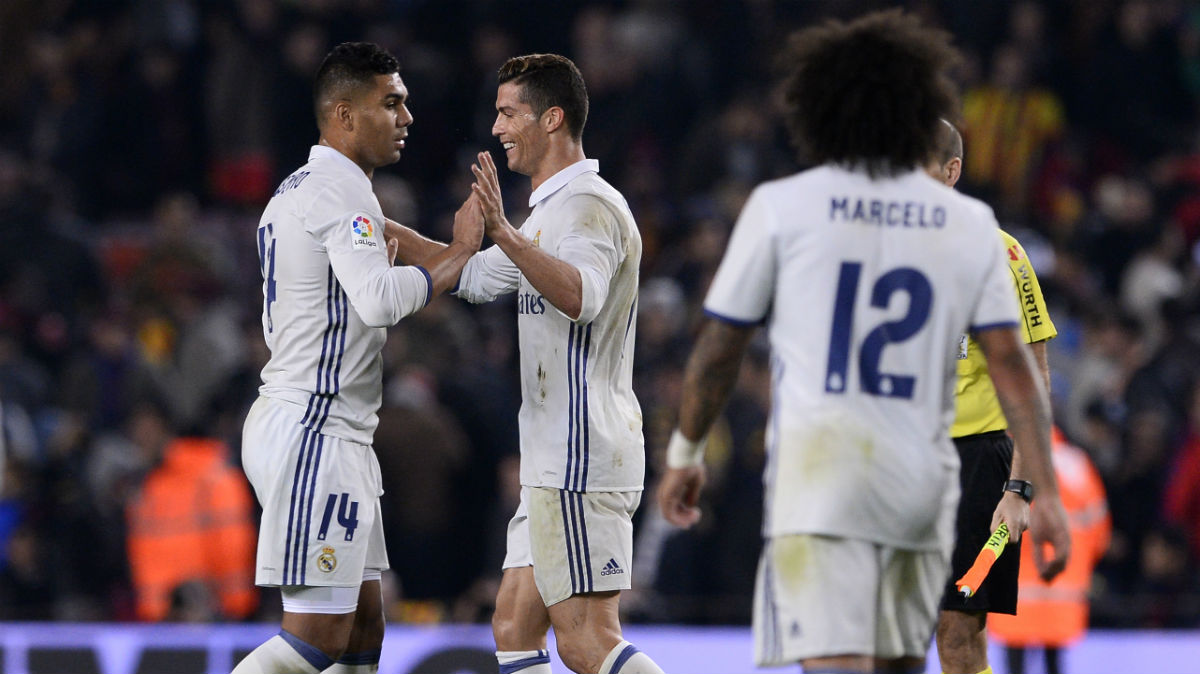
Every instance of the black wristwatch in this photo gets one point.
(1022, 488)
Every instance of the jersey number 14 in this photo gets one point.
(870, 352)
(347, 516)
(266, 262)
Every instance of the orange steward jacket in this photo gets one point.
(193, 521)
(1056, 613)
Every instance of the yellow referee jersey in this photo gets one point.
(977, 410)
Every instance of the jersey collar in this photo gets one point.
(558, 180)
(341, 160)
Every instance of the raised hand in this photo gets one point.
(487, 188)
(468, 223)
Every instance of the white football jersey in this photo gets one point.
(865, 286)
(580, 423)
(329, 294)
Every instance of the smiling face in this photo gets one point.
(381, 121)
(519, 130)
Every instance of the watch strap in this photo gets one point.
(1022, 488)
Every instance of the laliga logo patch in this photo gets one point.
(362, 227)
(327, 562)
(363, 233)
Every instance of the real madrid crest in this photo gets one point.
(327, 562)
(537, 239)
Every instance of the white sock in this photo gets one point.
(525, 662)
(625, 658)
(356, 663)
(283, 654)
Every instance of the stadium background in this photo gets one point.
(139, 140)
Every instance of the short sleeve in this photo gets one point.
(997, 305)
(744, 286)
(1036, 325)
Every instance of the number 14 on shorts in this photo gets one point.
(347, 516)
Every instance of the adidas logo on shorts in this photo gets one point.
(611, 568)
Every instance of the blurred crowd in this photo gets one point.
(140, 139)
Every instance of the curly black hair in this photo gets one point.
(549, 80)
(869, 92)
(350, 65)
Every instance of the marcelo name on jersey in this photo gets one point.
(890, 213)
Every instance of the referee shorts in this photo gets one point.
(986, 466)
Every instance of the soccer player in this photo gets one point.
(330, 291)
(865, 271)
(574, 266)
(985, 450)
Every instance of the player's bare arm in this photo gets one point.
(708, 379)
(445, 266)
(560, 283)
(1012, 509)
(710, 375)
(1026, 405)
(411, 247)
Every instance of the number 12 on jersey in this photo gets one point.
(870, 352)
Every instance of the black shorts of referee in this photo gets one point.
(986, 465)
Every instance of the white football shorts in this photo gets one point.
(576, 542)
(320, 500)
(819, 596)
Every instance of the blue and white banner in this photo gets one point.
(107, 648)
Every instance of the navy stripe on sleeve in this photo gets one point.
(992, 326)
(741, 323)
(429, 282)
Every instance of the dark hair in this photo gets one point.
(348, 66)
(870, 91)
(949, 142)
(549, 80)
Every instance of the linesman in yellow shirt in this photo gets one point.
(992, 488)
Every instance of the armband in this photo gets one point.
(684, 453)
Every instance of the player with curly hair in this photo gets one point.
(865, 271)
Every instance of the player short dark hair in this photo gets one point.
(949, 142)
(869, 92)
(348, 66)
(549, 80)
